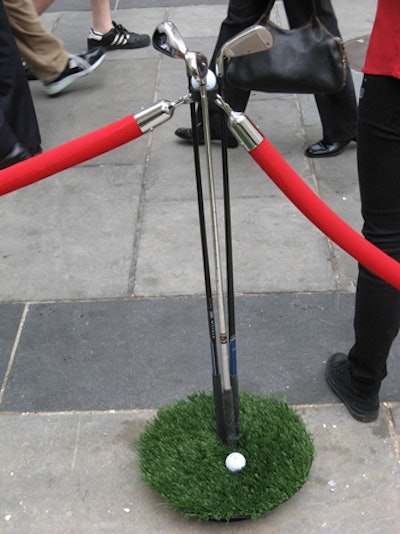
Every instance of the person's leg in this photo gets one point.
(105, 32)
(377, 315)
(43, 52)
(338, 111)
(18, 123)
(42, 5)
(8, 139)
(101, 15)
(356, 379)
(240, 16)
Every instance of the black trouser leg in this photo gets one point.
(377, 314)
(338, 111)
(240, 16)
(17, 117)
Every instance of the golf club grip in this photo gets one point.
(236, 405)
(203, 238)
(219, 407)
(229, 270)
(229, 417)
(234, 381)
(228, 230)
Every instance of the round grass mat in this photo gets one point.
(182, 458)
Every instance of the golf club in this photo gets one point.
(196, 66)
(229, 413)
(229, 269)
(168, 41)
(256, 38)
(216, 376)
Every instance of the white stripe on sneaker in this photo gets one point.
(119, 40)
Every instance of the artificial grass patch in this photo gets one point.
(182, 458)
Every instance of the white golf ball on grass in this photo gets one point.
(235, 461)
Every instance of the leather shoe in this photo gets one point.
(323, 149)
(17, 154)
(187, 135)
(35, 151)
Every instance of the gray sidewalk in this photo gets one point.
(102, 313)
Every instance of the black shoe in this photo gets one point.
(323, 149)
(362, 407)
(187, 135)
(118, 38)
(35, 151)
(17, 154)
(78, 66)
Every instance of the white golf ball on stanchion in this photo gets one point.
(211, 82)
(235, 461)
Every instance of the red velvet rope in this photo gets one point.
(322, 216)
(69, 154)
(120, 132)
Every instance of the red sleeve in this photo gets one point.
(383, 55)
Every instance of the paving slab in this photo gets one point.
(70, 236)
(10, 319)
(78, 472)
(147, 353)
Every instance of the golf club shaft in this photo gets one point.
(229, 270)
(229, 415)
(216, 376)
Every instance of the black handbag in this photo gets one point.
(307, 59)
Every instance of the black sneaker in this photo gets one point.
(118, 38)
(78, 66)
(363, 408)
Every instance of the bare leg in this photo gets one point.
(112, 36)
(42, 5)
(101, 15)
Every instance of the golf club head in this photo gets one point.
(196, 66)
(257, 38)
(167, 40)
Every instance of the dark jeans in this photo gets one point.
(17, 114)
(338, 112)
(377, 313)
